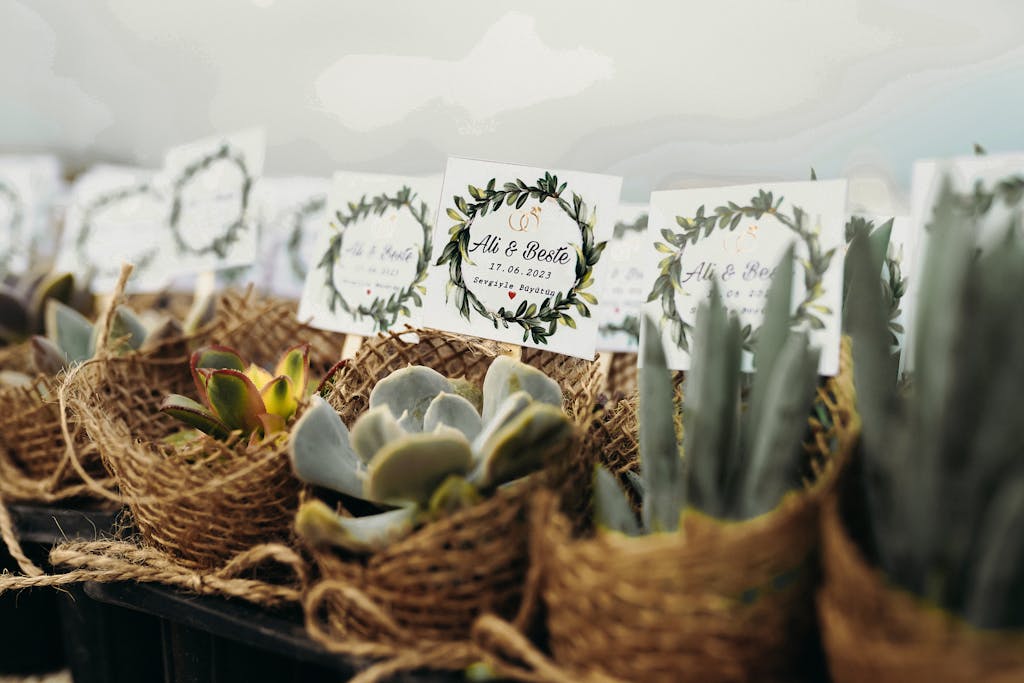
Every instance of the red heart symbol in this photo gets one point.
(511, 295)
(367, 291)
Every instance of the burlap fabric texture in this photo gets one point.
(204, 503)
(719, 601)
(875, 632)
(418, 598)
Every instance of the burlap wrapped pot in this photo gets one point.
(204, 503)
(878, 633)
(718, 601)
(430, 586)
(622, 374)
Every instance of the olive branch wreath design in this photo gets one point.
(311, 206)
(977, 202)
(728, 216)
(220, 244)
(14, 225)
(538, 323)
(102, 202)
(383, 312)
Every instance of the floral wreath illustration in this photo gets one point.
(311, 206)
(538, 323)
(145, 259)
(978, 202)
(383, 312)
(220, 244)
(14, 225)
(815, 265)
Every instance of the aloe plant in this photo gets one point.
(943, 480)
(241, 397)
(426, 446)
(738, 463)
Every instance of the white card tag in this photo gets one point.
(621, 302)
(737, 235)
(519, 254)
(211, 221)
(16, 217)
(371, 260)
(117, 214)
(292, 214)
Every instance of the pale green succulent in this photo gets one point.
(427, 445)
(943, 480)
(738, 463)
(71, 338)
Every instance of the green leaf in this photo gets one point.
(47, 357)
(320, 451)
(612, 511)
(411, 468)
(294, 364)
(522, 445)
(452, 410)
(660, 465)
(195, 415)
(234, 399)
(507, 376)
(127, 331)
(70, 331)
(319, 525)
(280, 397)
(408, 392)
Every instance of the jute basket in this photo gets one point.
(429, 587)
(875, 632)
(207, 502)
(719, 601)
(622, 374)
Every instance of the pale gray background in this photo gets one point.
(667, 94)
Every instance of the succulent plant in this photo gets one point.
(426, 446)
(71, 338)
(23, 302)
(241, 397)
(738, 463)
(943, 478)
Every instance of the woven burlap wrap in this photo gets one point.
(720, 601)
(876, 633)
(622, 374)
(204, 503)
(420, 596)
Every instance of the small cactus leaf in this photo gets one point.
(213, 358)
(279, 397)
(51, 287)
(522, 446)
(258, 375)
(234, 399)
(455, 493)
(469, 391)
(319, 525)
(507, 376)
(453, 411)
(410, 470)
(127, 331)
(712, 408)
(996, 579)
(409, 391)
(69, 330)
(47, 357)
(164, 331)
(271, 423)
(195, 414)
(374, 428)
(612, 511)
(770, 339)
(661, 468)
(294, 363)
(776, 458)
(320, 452)
(509, 410)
